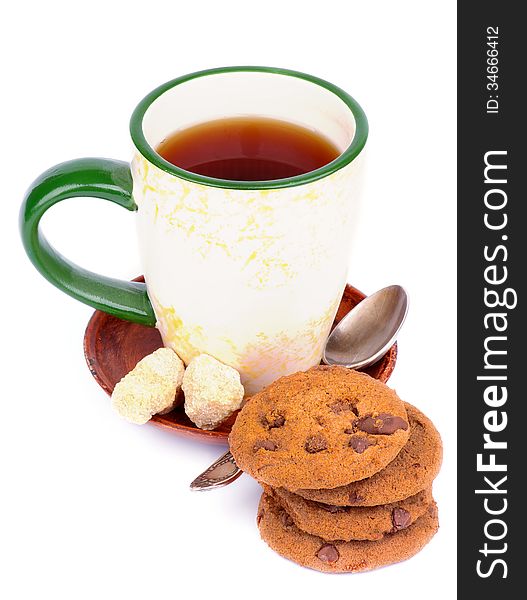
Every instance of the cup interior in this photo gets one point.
(249, 93)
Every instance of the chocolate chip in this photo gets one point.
(278, 421)
(328, 553)
(382, 424)
(341, 406)
(285, 519)
(355, 498)
(259, 517)
(316, 443)
(359, 444)
(273, 420)
(400, 518)
(266, 445)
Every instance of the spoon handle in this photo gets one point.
(221, 472)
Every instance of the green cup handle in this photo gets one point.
(97, 178)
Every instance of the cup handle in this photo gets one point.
(97, 178)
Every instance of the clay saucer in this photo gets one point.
(113, 347)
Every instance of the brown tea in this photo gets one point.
(247, 149)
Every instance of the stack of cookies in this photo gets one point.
(346, 466)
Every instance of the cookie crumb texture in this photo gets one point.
(282, 535)
(412, 470)
(213, 391)
(321, 428)
(150, 388)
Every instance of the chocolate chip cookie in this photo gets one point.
(321, 428)
(347, 523)
(282, 535)
(413, 470)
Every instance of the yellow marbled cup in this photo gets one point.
(249, 272)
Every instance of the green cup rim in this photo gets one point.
(351, 152)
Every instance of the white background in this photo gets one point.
(93, 507)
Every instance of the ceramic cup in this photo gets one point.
(249, 272)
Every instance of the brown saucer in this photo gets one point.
(113, 347)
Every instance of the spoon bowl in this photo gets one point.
(368, 330)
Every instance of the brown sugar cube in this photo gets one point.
(150, 388)
(213, 391)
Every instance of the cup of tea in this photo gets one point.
(245, 184)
